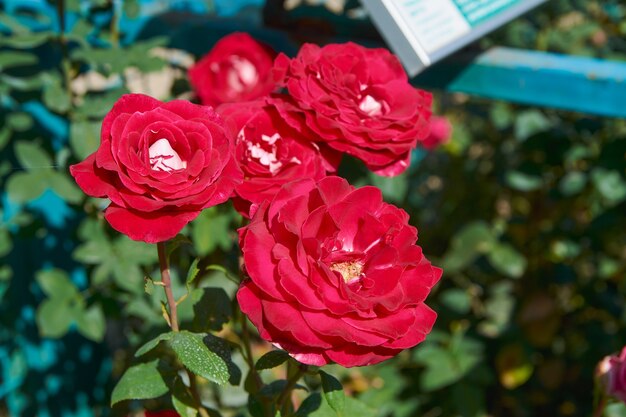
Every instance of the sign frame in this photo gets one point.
(397, 32)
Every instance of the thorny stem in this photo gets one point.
(166, 279)
(65, 64)
(167, 285)
(291, 383)
(245, 336)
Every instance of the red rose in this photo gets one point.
(612, 371)
(440, 132)
(270, 153)
(358, 100)
(238, 68)
(335, 274)
(160, 164)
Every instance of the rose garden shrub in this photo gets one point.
(522, 207)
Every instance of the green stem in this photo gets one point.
(166, 279)
(167, 285)
(291, 383)
(245, 337)
(599, 411)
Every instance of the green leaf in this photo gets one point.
(54, 317)
(6, 245)
(140, 382)
(84, 138)
(311, 404)
(352, 407)
(5, 136)
(530, 123)
(617, 409)
(56, 284)
(477, 236)
(11, 59)
(140, 252)
(474, 239)
(394, 189)
(192, 273)
(182, 400)
(93, 252)
(31, 156)
(20, 121)
(26, 41)
(508, 261)
(211, 230)
(572, 183)
(333, 392)
(65, 187)
(523, 182)
(271, 359)
(92, 324)
(195, 355)
(610, 184)
(55, 97)
(457, 300)
(212, 309)
(148, 346)
(441, 369)
(97, 105)
(222, 349)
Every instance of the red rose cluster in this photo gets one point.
(335, 274)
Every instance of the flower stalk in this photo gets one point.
(167, 285)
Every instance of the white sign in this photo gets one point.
(422, 32)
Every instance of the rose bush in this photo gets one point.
(358, 100)
(270, 152)
(335, 274)
(160, 164)
(238, 68)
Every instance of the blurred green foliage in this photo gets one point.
(524, 209)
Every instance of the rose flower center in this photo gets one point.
(242, 75)
(350, 271)
(372, 107)
(164, 158)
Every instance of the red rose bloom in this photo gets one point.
(440, 132)
(270, 153)
(160, 164)
(358, 100)
(238, 68)
(335, 274)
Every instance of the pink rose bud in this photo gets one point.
(440, 132)
(611, 371)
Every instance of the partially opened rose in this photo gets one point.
(160, 164)
(270, 152)
(335, 274)
(238, 68)
(358, 100)
(612, 373)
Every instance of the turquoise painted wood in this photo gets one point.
(579, 84)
